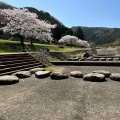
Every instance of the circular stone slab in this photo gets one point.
(88, 59)
(58, 75)
(109, 59)
(94, 77)
(8, 79)
(95, 59)
(104, 72)
(82, 59)
(42, 74)
(115, 76)
(36, 69)
(77, 74)
(103, 59)
(116, 59)
(23, 74)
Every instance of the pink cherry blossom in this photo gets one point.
(73, 40)
(26, 24)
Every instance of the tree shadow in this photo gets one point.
(3, 83)
(94, 80)
(58, 78)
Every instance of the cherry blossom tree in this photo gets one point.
(24, 24)
(73, 40)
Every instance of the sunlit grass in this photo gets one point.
(55, 60)
(50, 68)
(8, 41)
(76, 55)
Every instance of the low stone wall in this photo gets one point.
(88, 63)
(59, 55)
(46, 56)
(79, 51)
(42, 58)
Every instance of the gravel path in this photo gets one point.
(68, 99)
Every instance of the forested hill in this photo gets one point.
(41, 14)
(5, 6)
(44, 16)
(101, 35)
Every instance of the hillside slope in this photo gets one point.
(4, 5)
(42, 15)
(101, 35)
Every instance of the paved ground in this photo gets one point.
(69, 99)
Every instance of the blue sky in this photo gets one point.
(90, 13)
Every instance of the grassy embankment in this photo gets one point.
(14, 46)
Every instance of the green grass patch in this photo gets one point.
(49, 68)
(55, 60)
(66, 49)
(77, 55)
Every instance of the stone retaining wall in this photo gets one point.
(79, 51)
(88, 63)
(46, 56)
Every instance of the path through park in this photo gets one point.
(68, 99)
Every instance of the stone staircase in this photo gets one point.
(10, 63)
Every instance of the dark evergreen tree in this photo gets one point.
(79, 33)
(59, 31)
(69, 32)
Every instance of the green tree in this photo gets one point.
(59, 31)
(69, 32)
(79, 33)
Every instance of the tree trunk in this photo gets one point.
(31, 43)
(22, 43)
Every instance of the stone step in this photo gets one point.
(13, 68)
(10, 63)
(21, 63)
(13, 55)
(2, 66)
(15, 58)
(24, 69)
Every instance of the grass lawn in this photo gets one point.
(77, 55)
(49, 68)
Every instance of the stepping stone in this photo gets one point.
(36, 69)
(82, 59)
(94, 77)
(76, 57)
(95, 59)
(88, 59)
(104, 72)
(109, 59)
(69, 59)
(77, 74)
(8, 79)
(58, 75)
(23, 74)
(103, 59)
(73, 59)
(116, 59)
(115, 76)
(42, 74)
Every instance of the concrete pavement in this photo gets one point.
(68, 99)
